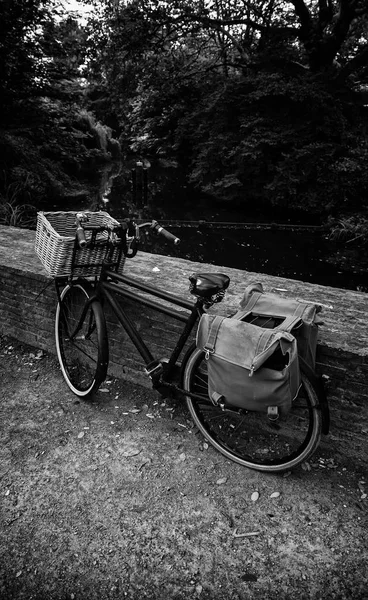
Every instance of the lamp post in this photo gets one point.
(140, 183)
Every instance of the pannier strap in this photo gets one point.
(289, 323)
(263, 342)
(299, 311)
(212, 335)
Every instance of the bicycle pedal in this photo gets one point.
(154, 368)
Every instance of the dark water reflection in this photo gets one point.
(306, 255)
(292, 254)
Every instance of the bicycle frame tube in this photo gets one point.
(152, 290)
(107, 290)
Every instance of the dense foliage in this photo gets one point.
(49, 142)
(259, 102)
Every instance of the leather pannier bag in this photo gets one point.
(250, 367)
(271, 310)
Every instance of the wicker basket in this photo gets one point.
(55, 244)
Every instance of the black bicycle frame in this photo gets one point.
(106, 289)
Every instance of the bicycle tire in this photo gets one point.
(250, 438)
(84, 358)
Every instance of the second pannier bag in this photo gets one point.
(271, 310)
(249, 367)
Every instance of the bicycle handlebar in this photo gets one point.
(125, 225)
(166, 234)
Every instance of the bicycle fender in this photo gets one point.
(186, 356)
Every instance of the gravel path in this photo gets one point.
(119, 498)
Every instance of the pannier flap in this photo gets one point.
(241, 343)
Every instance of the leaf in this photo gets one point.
(249, 577)
(248, 534)
(275, 495)
(254, 497)
(130, 453)
(221, 481)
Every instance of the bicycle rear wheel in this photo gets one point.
(250, 438)
(81, 340)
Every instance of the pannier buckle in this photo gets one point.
(207, 353)
(273, 413)
(218, 400)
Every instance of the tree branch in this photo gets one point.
(303, 14)
(211, 22)
(341, 27)
(325, 12)
(244, 55)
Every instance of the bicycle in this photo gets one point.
(247, 438)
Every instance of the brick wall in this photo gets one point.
(28, 300)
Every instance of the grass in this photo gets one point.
(13, 210)
(351, 229)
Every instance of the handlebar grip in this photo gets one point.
(166, 234)
(81, 238)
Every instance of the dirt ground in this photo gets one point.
(120, 499)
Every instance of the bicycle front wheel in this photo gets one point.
(250, 438)
(81, 340)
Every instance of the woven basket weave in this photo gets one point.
(55, 241)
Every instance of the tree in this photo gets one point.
(326, 32)
(20, 52)
(256, 100)
(47, 139)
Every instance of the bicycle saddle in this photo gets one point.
(206, 285)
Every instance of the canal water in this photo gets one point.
(303, 255)
(294, 253)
